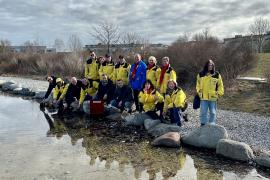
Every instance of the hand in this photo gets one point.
(120, 104)
(164, 114)
(105, 97)
(155, 98)
(145, 90)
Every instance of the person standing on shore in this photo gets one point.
(153, 71)
(209, 87)
(91, 68)
(166, 74)
(121, 70)
(137, 77)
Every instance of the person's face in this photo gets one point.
(151, 61)
(210, 66)
(84, 81)
(102, 60)
(92, 55)
(104, 78)
(120, 84)
(147, 85)
(121, 60)
(137, 58)
(165, 62)
(171, 85)
(50, 79)
(73, 81)
(108, 59)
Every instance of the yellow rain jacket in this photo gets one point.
(91, 69)
(176, 99)
(148, 100)
(62, 90)
(153, 74)
(108, 69)
(169, 74)
(91, 89)
(121, 71)
(209, 86)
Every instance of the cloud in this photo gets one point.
(161, 21)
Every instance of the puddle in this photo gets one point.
(41, 145)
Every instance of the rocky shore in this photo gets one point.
(240, 127)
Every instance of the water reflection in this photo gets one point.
(115, 146)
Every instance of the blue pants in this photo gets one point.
(176, 116)
(212, 106)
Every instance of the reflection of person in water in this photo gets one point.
(57, 128)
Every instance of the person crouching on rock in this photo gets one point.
(88, 90)
(175, 103)
(123, 97)
(105, 90)
(59, 93)
(150, 98)
(73, 92)
(48, 98)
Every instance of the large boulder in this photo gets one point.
(39, 95)
(17, 90)
(149, 123)
(114, 117)
(206, 136)
(162, 128)
(263, 159)
(136, 119)
(8, 86)
(1, 83)
(170, 139)
(234, 150)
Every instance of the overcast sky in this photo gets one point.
(160, 21)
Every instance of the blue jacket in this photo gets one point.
(140, 77)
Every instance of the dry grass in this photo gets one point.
(262, 65)
(60, 64)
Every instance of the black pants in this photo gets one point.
(136, 100)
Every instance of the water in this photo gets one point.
(39, 145)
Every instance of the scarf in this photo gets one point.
(135, 70)
(163, 71)
(150, 66)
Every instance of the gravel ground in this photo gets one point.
(245, 127)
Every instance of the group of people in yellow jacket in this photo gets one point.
(154, 88)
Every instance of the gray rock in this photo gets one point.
(149, 123)
(17, 90)
(114, 117)
(111, 109)
(234, 150)
(162, 128)
(1, 83)
(86, 107)
(39, 95)
(206, 136)
(6, 86)
(136, 119)
(263, 159)
(170, 139)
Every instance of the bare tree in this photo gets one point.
(59, 45)
(4, 45)
(106, 33)
(74, 43)
(131, 38)
(258, 30)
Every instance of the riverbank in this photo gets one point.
(245, 127)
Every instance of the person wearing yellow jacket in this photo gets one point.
(121, 70)
(59, 93)
(153, 71)
(175, 103)
(91, 68)
(150, 97)
(107, 67)
(88, 90)
(166, 74)
(209, 87)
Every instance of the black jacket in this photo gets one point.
(51, 86)
(123, 94)
(108, 89)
